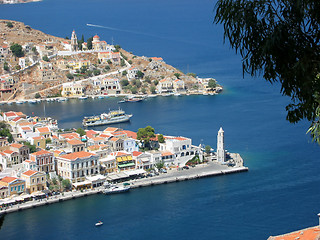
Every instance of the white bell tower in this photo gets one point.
(221, 153)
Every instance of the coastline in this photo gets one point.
(209, 169)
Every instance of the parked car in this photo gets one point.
(162, 170)
(185, 167)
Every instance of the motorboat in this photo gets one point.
(111, 189)
(99, 224)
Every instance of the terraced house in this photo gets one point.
(77, 166)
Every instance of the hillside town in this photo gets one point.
(37, 65)
(38, 159)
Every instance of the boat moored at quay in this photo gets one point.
(114, 116)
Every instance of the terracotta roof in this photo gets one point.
(10, 114)
(41, 152)
(26, 128)
(8, 151)
(43, 129)
(114, 139)
(131, 134)
(96, 36)
(166, 154)
(70, 135)
(180, 138)
(75, 142)
(16, 119)
(90, 133)
(76, 155)
(16, 145)
(157, 58)
(110, 129)
(8, 179)
(25, 123)
(38, 138)
(29, 172)
(119, 154)
(312, 233)
(135, 153)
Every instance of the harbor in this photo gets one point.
(210, 169)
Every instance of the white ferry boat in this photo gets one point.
(115, 116)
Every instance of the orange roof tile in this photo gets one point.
(312, 233)
(8, 151)
(38, 138)
(135, 153)
(75, 142)
(114, 139)
(166, 154)
(8, 179)
(29, 172)
(131, 134)
(110, 129)
(43, 129)
(180, 138)
(41, 152)
(76, 155)
(16, 145)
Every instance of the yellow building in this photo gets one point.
(14, 185)
(72, 90)
(35, 181)
(125, 162)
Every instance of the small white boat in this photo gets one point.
(177, 94)
(19, 102)
(115, 189)
(99, 224)
(152, 96)
(32, 101)
(101, 97)
(83, 98)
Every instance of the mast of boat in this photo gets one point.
(44, 109)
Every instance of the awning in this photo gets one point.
(135, 172)
(9, 201)
(79, 184)
(126, 165)
(37, 194)
(97, 178)
(116, 176)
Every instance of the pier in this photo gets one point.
(209, 169)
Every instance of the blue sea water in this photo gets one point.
(280, 193)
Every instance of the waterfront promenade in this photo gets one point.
(209, 169)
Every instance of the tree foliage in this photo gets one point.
(81, 131)
(5, 132)
(16, 49)
(161, 138)
(145, 133)
(89, 43)
(212, 83)
(279, 39)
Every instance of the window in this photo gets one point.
(22, 187)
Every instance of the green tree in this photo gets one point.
(192, 75)
(9, 25)
(140, 74)
(280, 40)
(144, 134)
(48, 140)
(5, 132)
(37, 95)
(31, 147)
(130, 62)
(16, 49)
(122, 63)
(107, 67)
(153, 89)
(69, 76)
(45, 58)
(5, 66)
(159, 165)
(124, 82)
(156, 82)
(81, 132)
(207, 149)
(161, 138)
(134, 90)
(96, 72)
(117, 48)
(83, 69)
(124, 73)
(212, 83)
(177, 75)
(34, 50)
(144, 91)
(89, 43)
(109, 61)
(66, 184)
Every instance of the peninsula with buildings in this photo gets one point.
(37, 65)
(40, 161)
